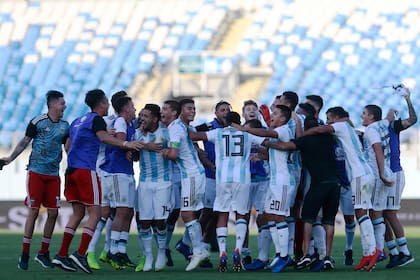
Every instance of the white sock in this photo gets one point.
(221, 233)
(161, 238)
(241, 228)
(392, 247)
(402, 244)
(115, 238)
(186, 237)
(122, 244)
(350, 229)
(146, 239)
(196, 236)
(108, 227)
(139, 238)
(96, 235)
(274, 236)
(319, 235)
(283, 233)
(312, 247)
(291, 243)
(379, 230)
(264, 250)
(367, 235)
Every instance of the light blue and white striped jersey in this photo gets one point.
(153, 167)
(377, 132)
(294, 158)
(187, 161)
(109, 120)
(347, 138)
(233, 150)
(280, 170)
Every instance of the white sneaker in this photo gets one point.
(160, 260)
(148, 263)
(196, 259)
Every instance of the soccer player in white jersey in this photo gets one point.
(361, 179)
(154, 188)
(291, 100)
(377, 153)
(259, 185)
(193, 180)
(277, 206)
(233, 179)
(169, 113)
(393, 225)
(120, 177)
(107, 200)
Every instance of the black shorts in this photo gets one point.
(325, 195)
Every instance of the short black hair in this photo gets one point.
(308, 109)
(184, 101)
(375, 110)
(309, 122)
(94, 97)
(220, 103)
(116, 96)
(338, 111)
(254, 123)
(285, 111)
(317, 99)
(154, 110)
(53, 95)
(233, 117)
(292, 98)
(174, 105)
(121, 102)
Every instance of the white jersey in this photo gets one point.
(280, 171)
(346, 136)
(153, 167)
(294, 156)
(233, 150)
(377, 132)
(187, 160)
(101, 154)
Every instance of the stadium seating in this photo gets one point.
(345, 51)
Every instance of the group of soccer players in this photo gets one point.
(284, 162)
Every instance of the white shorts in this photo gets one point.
(346, 204)
(210, 193)
(379, 195)
(107, 189)
(232, 197)
(154, 200)
(124, 188)
(393, 201)
(192, 192)
(361, 191)
(276, 201)
(176, 194)
(257, 195)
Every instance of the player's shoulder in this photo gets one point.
(39, 118)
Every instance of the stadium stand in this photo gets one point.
(345, 51)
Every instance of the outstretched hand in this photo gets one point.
(265, 113)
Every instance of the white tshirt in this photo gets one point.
(101, 154)
(356, 164)
(233, 150)
(377, 132)
(187, 161)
